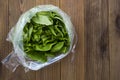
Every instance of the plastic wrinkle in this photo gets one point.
(11, 61)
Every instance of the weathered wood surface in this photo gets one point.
(97, 56)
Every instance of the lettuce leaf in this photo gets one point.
(45, 36)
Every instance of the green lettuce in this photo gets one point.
(44, 36)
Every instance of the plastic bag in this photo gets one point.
(18, 57)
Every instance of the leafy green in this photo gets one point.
(44, 36)
(37, 56)
(57, 47)
(47, 47)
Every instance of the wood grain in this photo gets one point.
(114, 37)
(14, 14)
(97, 57)
(4, 47)
(96, 40)
(72, 66)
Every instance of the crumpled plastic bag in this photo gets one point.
(17, 56)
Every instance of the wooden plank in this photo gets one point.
(51, 72)
(39, 2)
(53, 2)
(114, 37)
(14, 14)
(72, 66)
(96, 40)
(4, 49)
(24, 6)
(16, 8)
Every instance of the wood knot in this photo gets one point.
(117, 21)
(103, 44)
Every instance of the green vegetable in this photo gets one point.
(47, 47)
(44, 36)
(57, 47)
(41, 19)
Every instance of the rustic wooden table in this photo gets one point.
(97, 57)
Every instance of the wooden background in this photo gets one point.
(97, 57)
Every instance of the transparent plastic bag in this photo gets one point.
(18, 57)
